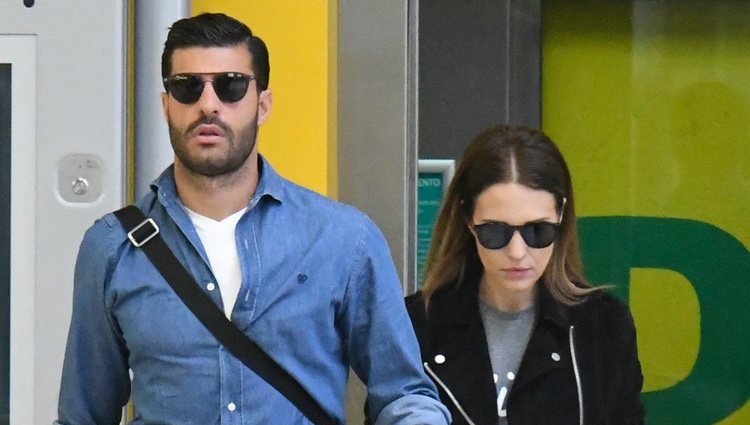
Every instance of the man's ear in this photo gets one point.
(265, 104)
(165, 105)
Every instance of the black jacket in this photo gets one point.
(594, 341)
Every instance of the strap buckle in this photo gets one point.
(144, 238)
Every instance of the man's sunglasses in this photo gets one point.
(496, 235)
(230, 87)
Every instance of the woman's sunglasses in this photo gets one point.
(496, 235)
(230, 87)
(538, 234)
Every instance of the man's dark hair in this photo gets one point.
(216, 30)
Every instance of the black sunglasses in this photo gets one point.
(230, 87)
(496, 235)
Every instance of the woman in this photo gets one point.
(509, 329)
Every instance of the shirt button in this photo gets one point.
(555, 357)
(211, 286)
(440, 359)
(231, 407)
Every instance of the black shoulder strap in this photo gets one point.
(144, 233)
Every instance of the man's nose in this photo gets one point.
(209, 102)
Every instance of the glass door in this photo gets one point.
(650, 102)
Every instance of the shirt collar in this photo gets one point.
(552, 310)
(270, 184)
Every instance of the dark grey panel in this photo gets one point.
(479, 66)
(525, 63)
(5, 104)
(462, 73)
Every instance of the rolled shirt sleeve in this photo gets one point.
(382, 345)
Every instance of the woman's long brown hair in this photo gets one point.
(506, 154)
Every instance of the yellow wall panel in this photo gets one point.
(671, 346)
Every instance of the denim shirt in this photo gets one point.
(319, 294)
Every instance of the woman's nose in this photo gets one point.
(516, 247)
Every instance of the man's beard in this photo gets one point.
(239, 148)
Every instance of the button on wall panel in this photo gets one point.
(79, 178)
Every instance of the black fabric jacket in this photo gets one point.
(594, 340)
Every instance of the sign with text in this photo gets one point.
(434, 176)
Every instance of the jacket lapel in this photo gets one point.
(548, 348)
(458, 354)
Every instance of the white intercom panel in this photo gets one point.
(63, 63)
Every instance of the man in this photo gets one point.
(311, 281)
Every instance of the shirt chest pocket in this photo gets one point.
(154, 320)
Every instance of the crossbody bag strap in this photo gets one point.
(144, 234)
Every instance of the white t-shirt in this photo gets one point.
(218, 238)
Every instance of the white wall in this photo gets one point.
(68, 121)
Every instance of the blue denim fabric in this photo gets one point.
(319, 294)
